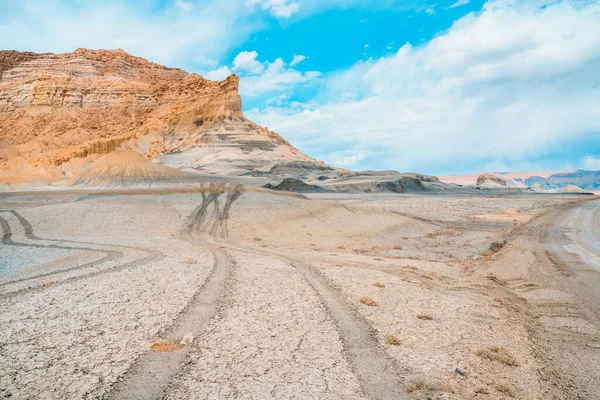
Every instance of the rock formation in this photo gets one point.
(58, 112)
(385, 182)
(489, 181)
(294, 185)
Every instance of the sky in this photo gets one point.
(433, 86)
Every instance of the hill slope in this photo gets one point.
(58, 108)
(124, 168)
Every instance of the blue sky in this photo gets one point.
(439, 87)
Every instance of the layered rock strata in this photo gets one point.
(58, 112)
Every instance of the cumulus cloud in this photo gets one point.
(498, 87)
(298, 58)
(218, 74)
(246, 62)
(591, 163)
(275, 80)
(264, 78)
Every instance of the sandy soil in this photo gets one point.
(225, 292)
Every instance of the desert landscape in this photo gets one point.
(157, 244)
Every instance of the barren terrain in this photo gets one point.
(222, 291)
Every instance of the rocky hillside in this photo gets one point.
(60, 112)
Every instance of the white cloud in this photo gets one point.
(265, 78)
(279, 100)
(275, 78)
(310, 7)
(189, 34)
(275, 67)
(459, 3)
(218, 74)
(278, 8)
(298, 58)
(500, 86)
(297, 9)
(591, 163)
(289, 8)
(391, 45)
(430, 10)
(169, 36)
(275, 81)
(246, 61)
(184, 5)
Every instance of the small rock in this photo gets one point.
(188, 338)
(495, 246)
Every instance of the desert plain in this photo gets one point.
(223, 290)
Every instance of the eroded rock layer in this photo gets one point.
(59, 111)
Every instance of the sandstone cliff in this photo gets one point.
(58, 112)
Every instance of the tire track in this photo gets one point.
(110, 255)
(231, 198)
(377, 373)
(198, 222)
(198, 216)
(152, 372)
(6, 232)
(26, 225)
(221, 217)
(6, 239)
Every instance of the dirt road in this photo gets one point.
(551, 270)
(575, 242)
(576, 236)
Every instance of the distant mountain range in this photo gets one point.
(587, 180)
(584, 179)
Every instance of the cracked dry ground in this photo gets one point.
(253, 294)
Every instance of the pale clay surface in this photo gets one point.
(276, 333)
(73, 334)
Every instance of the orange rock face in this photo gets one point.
(58, 107)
